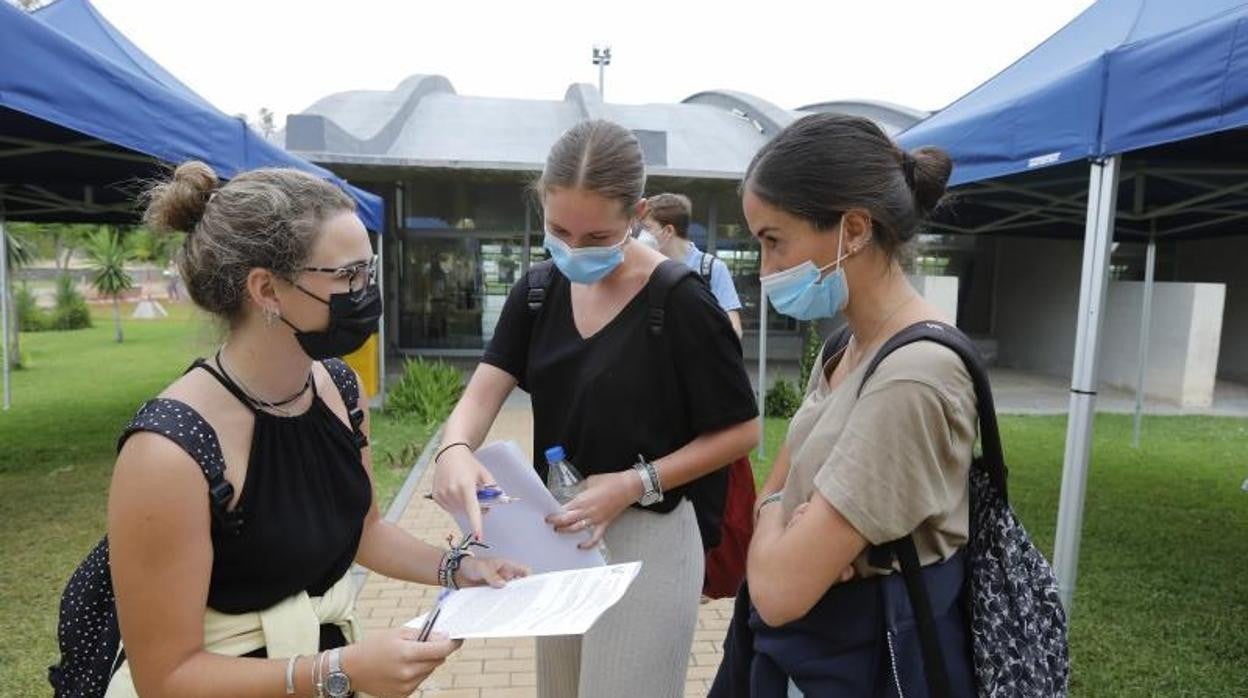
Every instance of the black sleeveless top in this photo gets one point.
(302, 508)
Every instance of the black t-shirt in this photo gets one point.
(623, 391)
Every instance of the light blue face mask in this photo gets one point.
(584, 265)
(799, 292)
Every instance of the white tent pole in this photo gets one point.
(1146, 326)
(4, 310)
(1099, 232)
(762, 374)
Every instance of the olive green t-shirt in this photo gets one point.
(894, 460)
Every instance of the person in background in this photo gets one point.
(667, 220)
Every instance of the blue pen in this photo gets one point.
(489, 495)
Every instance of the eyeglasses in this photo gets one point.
(359, 276)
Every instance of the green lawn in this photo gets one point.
(56, 455)
(1161, 605)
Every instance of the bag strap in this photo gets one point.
(993, 462)
(349, 388)
(538, 280)
(181, 424)
(707, 267)
(666, 277)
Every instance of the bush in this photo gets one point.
(29, 317)
(428, 390)
(810, 353)
(71, 308)
(783, 399)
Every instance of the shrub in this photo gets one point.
(783, 399)
(71, 308)
(30, 318)
(428, 390)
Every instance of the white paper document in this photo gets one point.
(558, 603)
(518, 531)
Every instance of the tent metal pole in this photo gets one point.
(1146, 326)
(4, 310)
(1099, 232)
(762, 374)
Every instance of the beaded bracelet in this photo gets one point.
(453, 558)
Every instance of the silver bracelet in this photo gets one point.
(317, 681)
(290, 674)
(769, 499)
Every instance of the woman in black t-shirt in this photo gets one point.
(643, 402)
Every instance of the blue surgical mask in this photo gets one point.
(584, 265)
(799, 292)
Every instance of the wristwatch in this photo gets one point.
(337, 683)
(651, 489)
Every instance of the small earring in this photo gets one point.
(270, 317)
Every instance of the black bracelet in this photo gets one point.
(448, 447)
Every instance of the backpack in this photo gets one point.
(87, 630)
(1017, 623)
(723, 500)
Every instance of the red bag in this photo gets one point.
(725, 563)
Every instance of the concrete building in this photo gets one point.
(454, 170)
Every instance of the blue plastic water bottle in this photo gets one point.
(563, 480)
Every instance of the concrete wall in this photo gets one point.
(941, 291)
(1183, 340)
(1223, 260)
(1038, 300)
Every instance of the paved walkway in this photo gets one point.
(501, 668)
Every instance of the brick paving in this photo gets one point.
(502, 668)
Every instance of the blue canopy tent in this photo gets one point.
(80, 132)
(1151, 95)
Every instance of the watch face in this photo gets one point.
(337, 685)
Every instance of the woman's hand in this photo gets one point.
(456, 478)
(393, 662)
(605, 497)
(480, 571)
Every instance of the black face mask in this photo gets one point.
(352, 319)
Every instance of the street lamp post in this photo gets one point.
(602, 59)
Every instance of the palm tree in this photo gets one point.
(19, 255)
(107, 255)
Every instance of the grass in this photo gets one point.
(70, 401)
(1161, 603)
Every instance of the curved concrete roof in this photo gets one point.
(423, 122)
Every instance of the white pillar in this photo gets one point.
(1146, 324)
(1099, 232)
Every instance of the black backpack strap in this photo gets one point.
(993, 462)
(538, 280)
(349, 388)
(666, 277)
(707, 267)
(181, 424)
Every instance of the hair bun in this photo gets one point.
(932, 167)
(178, 204)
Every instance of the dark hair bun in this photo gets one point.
(932, 168)
(178, 204)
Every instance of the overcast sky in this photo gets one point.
(285, 54)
